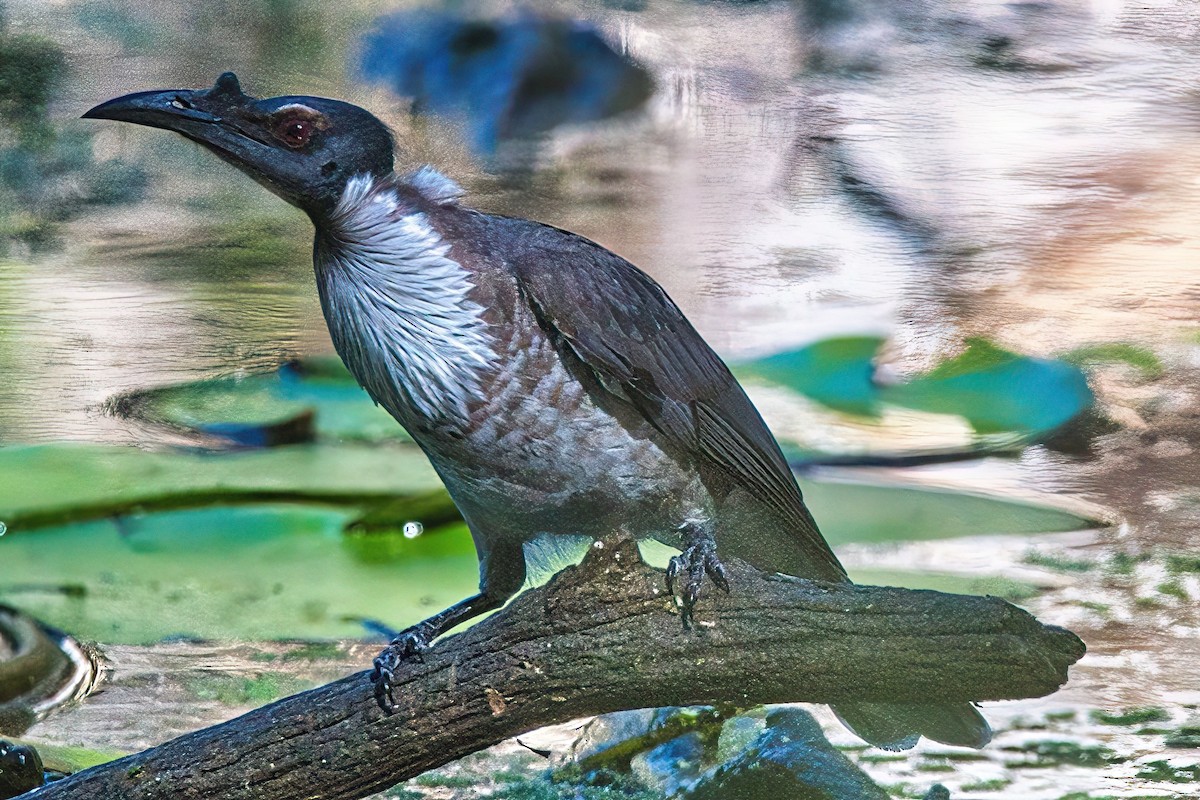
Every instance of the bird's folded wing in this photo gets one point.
(613, 320)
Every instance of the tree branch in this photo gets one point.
(602, 637)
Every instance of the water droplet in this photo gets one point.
(3, 529)
(413, 529)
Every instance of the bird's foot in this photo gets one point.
(699, 558)
(410, 643)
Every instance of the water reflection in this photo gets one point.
(1021, 172)
(503, 79)
(804, 169)
(84, 329)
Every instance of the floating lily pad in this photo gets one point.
(996, 585)
(876, 513)
(812, 433)
(253, 543)
(44, 485)
(865, 512)
(994, 390)
(262, 572)
(1140, 358)
(251, 410)
(835, 372)
(155, 544)
(984, 400)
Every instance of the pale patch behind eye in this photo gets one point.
(307, 113)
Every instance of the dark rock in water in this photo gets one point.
(506, 78)
(608, 730)
(937, 792)
(672, 765)
(790, 759)
(738, 733)
(664, 749)
(1078, 436)
(20, 769)
(40, 668)
(671, 751)
(646, 741)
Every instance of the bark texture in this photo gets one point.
(601, 637)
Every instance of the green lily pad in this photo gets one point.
(286, 571)
(810, 433)
(865, 512)
(56, 484)
(1004, 398)
(262, 572)
(154, 544)
(996, 585)
(835, 372)
(874, 513)
(994, 390)
(123, 545)
(244, 410)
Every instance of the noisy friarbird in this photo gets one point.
(555, 387)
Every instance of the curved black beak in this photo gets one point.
(207, 116)
(212, 117)
(167, 108)
(175, 108)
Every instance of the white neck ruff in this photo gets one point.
(398, 308)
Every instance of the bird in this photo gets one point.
(556, 388)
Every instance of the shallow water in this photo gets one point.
(1024, 172)
(905, 189)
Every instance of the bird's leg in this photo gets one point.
(699, 558)
(413, 642)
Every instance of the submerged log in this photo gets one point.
(601, 637)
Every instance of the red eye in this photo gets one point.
(294, 132)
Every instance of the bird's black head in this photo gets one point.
(303, 149)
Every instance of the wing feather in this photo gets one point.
(617, 322)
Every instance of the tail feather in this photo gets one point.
(898, 726)
(748, 529)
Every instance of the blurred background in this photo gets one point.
(949, 246)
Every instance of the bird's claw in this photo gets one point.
(699, 558)
(411, 643)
